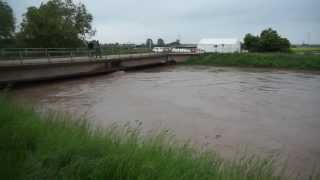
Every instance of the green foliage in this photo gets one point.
(123, 50)
(7, 25)
(175, 43)
(268, 41)
(251, 43)
(267, 60)
(56, 23)
(149, 43)
(6, 21)
(52, 146)
(306, 49)
(160, 43)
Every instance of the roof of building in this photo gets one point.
(218, 41)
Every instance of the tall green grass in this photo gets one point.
(305, 49)
(266, 60)
(51, 146)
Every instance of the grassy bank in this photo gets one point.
(285, 61)
(306, 50)
(37, 146)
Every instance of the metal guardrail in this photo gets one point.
(30, 56)
(47, 53)
(32, 53)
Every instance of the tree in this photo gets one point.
(56, 23)
(175, 43)
(284, 45)
(251, 42)
(269, 41)
(160, 42)
(7, 25)
(149, 43)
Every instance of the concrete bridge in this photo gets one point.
(46, 68)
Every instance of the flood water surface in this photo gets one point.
(261, 111)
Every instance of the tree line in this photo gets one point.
(268, 41)
(160, 43)
(55, 23)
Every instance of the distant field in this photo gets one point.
(306, 49)
(265, 60)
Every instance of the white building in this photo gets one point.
(161, 49)
(169, 49)
(219, 45)
(180, 50)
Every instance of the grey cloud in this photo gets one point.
(136, 20)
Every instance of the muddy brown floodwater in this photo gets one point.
(231, 110)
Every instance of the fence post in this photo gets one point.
(46, 52)
(48, 56)
(21, 58)
(70, 56)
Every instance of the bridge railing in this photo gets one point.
(47, 53)
(32, 53)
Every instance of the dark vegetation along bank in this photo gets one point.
(268, 41)
(51, 146)
(266, 60)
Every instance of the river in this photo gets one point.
(231, 110)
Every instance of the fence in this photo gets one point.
(34, 53)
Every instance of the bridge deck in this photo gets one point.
(60, 60)
(26, 70)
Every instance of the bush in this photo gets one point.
(268, 41)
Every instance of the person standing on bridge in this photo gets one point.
(90, 48)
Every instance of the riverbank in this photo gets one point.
(51, 146)
(306, 50)
(265, 60)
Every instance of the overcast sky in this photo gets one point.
(190, 20)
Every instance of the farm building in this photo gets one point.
(219, 45)
(173, 50)
(161, 49)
